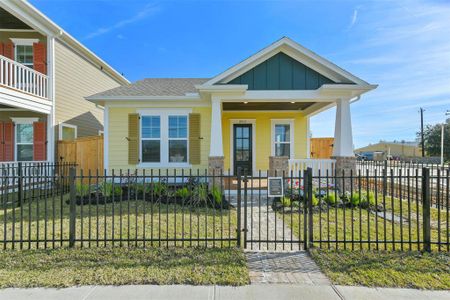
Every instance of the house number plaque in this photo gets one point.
(275, 187)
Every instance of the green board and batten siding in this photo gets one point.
(281, 72)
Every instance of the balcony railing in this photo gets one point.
(297, 166)
(18, 77)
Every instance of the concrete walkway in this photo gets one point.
(255, 291)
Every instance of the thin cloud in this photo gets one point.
(354, 18)
(402, 47)
(149, 10)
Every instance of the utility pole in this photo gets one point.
(421, 132)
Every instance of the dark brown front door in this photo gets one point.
(242, 149)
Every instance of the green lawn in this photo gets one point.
(127, 222)
(361, 226)
(120, 266)
(385, 269)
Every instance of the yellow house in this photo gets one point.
(242, 120)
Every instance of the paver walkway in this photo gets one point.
(266, 226)
(284, 267)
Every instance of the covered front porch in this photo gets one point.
(262, 132)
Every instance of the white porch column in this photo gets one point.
(216, 146)
(343, 137)
(343, 146)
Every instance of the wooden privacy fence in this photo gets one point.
(321, 147)
(86, 152)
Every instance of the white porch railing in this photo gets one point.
(16, 76)
(297, 166)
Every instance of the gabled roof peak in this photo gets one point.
(294, 50)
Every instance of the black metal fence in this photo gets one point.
(397, 165)
(389, 209)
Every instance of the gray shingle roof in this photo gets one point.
(156, 87)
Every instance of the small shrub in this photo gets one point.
(355, 200)
(142, 188)
(286, 201)
(331, 198)
(217, 195)
(160, 189)
(182, 193)
(108, 190)
(82, 190)
(200, 193)
(368, 199)
(315, 200)
(364, 199)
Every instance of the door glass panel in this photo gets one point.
(245, 132)
(238, 144)
(239, 132)
(242, 149)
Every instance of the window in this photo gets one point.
(24, 55)
(67, 132)
(24, 51)
(177, 138)
(282, 138)
(24, 142)
(151, 139)
(164, 137)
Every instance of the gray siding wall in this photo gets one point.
(76, 78)
(281, 72)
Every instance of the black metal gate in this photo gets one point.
(273, 224)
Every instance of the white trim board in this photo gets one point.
(106, 138)
(23, 41)
(243, 121)
(22, 120)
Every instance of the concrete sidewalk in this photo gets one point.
(255, 291)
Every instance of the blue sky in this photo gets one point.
(404, 46)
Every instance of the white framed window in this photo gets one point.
(151, 139)
(24, 51)
(164, 138)
(67, 132)
(283, 138)
(24, 138)
(178, 139)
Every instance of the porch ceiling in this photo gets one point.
(266, 105)
(8, 21)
